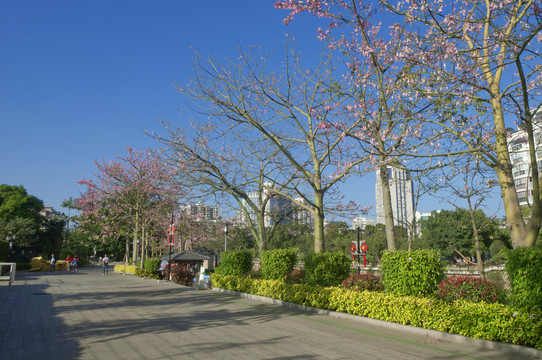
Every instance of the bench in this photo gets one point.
(9, 276)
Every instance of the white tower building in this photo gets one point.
(402, 201)
(518, 147)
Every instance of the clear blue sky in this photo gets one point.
(81, 80)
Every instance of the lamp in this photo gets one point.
(226, 237)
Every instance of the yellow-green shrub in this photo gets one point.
(495, 322)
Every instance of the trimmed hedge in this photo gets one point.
(524, 270)
(137, 271)
(327, 269)
(152, 264)
(277, 264)
(412, 272)
(238, 262)
(495, 322)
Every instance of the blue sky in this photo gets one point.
(81, 80)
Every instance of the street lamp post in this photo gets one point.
(359, 250)
(170, 241)
(10, 239)
(226, 237)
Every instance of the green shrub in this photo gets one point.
(361, 282)
(4, 250)
(496, 247)
(140, 272)
(411, 272)
(499, 258)
(152, 264)
(523, 268)
(238, 262)
(326, 269)
(23, 266)
(276, 264)
(495, 322)
(296, 276)
(471, 289)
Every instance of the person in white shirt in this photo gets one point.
(105, 263)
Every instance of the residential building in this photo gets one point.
(277, 208)
(361, 222)
(518, 147)
(205, 212)
(402, 200)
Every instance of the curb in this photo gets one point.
(439, 335)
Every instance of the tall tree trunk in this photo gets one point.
(514, 219)
(143, 246)
(318, 212)
(388, 209)
(134, 245)
(127, 249)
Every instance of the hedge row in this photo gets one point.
(495, 322)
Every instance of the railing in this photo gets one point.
(10, 276)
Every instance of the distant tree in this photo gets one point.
(376, 239)
(451, 232)
(293, 235)
(339, 237)
(51, 237)
(15, 202)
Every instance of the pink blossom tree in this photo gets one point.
(389, 117)
(133, 192)
(473, 61)
(487, 55)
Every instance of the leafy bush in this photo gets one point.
(296, 276)
(238, 262)
(4, 250)
(152, 264)
(181, 276)
(276, 264)
(23, 266)
(495, 322)
(361, 282)
(496, 247)
(523, 268)
(119, 268)
(499, 258)
(326, 269)
(411, 272)
(128, 269)
(469, 288)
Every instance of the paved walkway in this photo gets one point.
(84, 315)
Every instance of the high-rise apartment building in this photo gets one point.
(205, 212)
(402, 201)
(277, 209)
(518, 147)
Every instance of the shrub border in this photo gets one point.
(439, 335)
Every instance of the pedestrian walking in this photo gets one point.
(105, 262)
(53, 262)
(69, 261)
